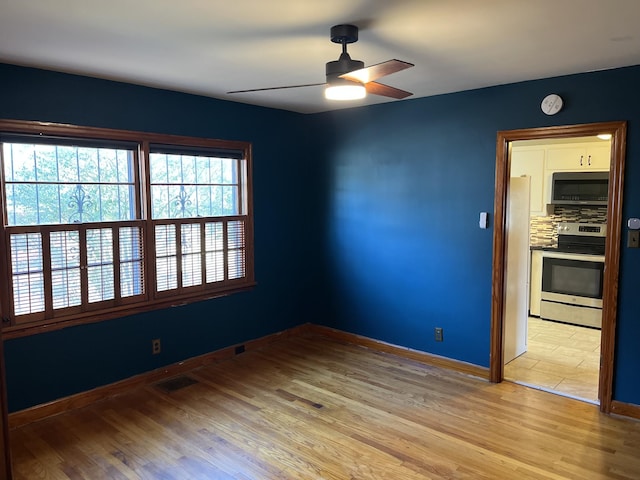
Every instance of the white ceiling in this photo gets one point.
(209, 47)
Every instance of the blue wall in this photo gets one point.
(406, 184)
(365, 220)
(43, 367)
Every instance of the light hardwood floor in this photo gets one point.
(561, 358)
(313, 408)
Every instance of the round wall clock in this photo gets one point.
(551, 104)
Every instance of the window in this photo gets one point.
(201, 186)
(101, 221)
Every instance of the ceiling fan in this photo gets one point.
(349, 79)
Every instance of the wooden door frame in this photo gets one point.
(5, 451)
(618, 131)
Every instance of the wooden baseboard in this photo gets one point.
(83, 399)
(422, 357)
(625, 409)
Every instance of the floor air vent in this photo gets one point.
(175, 383)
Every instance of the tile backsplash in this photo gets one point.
(544, 230)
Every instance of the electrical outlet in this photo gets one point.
(438, 334)
(156, 347)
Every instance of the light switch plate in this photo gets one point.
(484, 220)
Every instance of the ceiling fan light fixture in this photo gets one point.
(348, 79)
(345, 91)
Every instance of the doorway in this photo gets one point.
(551, 344)
(613, 237)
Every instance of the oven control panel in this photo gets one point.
(583, 229)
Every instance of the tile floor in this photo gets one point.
(559, 358)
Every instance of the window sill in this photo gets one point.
(34, 328)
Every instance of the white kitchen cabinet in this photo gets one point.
(529, 161)
(540, 161)
(579, 157)
(535, 283)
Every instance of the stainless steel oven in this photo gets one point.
(572, 276)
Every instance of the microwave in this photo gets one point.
(580, 188)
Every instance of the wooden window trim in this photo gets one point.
(151, 299)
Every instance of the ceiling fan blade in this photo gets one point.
(369, 74)
(376, 88)
(277, 88)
